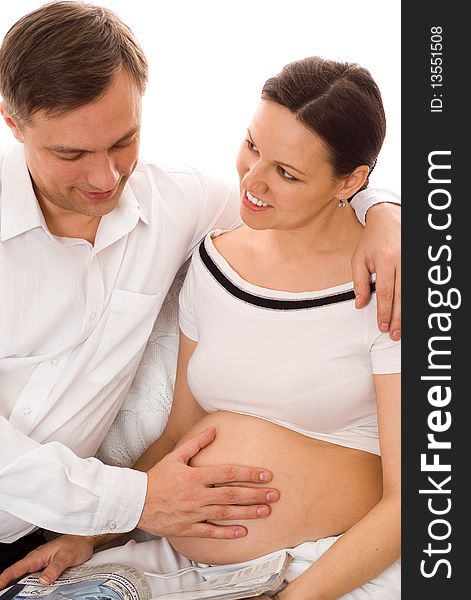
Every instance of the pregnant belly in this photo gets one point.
(324, 488)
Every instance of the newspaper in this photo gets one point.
(110, 581)
(264, 576)
(115, 581)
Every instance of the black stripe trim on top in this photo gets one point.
(272, 303)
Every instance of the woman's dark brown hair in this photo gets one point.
(338, 101)
(64, 55)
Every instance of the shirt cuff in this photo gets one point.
(365, 199)
(122, 502)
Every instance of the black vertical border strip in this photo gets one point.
(445, 560)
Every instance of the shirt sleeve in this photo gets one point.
(220, 206)
(187, 319)
(385, 355)
(365, 199)
(48, 486)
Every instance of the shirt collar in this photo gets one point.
(119, 222)
(20, 210)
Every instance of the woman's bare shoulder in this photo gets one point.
(233, 241)
(235, 247)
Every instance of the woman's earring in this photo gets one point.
(341, 202)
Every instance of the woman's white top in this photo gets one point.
(302, 360)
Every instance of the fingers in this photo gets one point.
(31, 563)
(388, 295)
(223, 473)
(208, 530)
(54, 557)
(192, 446)
(53, 571)
(385, 280)
(395, 327)
(378, 251)
(361, 283)
(6, 578)
(188, 501)
(235, 513)
(180, 497)
(239, 495)
(231, 473)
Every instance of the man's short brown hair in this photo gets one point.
(64, 55)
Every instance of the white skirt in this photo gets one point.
(158, 556)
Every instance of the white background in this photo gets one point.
(209, 59)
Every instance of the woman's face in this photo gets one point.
(286, 179)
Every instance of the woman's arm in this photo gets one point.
(184, 414)
(372, 544)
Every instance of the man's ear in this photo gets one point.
(354, 182)
(11, 123)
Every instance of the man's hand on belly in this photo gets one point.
(180, 499)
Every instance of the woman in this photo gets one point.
(275, 356)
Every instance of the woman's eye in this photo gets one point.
(286, 175)
(251, 146)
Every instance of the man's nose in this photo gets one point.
(103, 174)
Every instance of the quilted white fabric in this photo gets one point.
(144, 414)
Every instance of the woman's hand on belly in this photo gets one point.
(324, 488)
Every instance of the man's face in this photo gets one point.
(80, 161)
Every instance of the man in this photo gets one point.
(90, 242)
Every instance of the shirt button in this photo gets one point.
(92, 316)
(26, 411)
(112, 526)
(54, 362)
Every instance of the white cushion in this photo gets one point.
(144, 414)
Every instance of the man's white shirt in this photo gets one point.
(74, 321)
